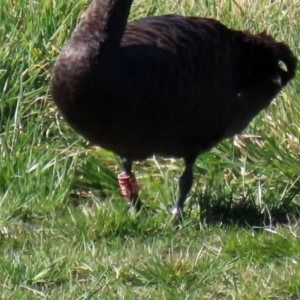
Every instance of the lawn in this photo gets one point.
(64, 232)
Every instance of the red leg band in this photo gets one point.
(128, 184)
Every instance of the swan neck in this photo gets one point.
(104, 21)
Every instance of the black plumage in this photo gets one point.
(168, 85)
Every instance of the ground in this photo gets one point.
(64, 232)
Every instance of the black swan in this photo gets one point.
(168, 85)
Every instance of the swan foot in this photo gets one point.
(177, 215)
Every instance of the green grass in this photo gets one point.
(63, 230)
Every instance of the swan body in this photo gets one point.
(168, 85)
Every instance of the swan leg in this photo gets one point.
(185, 184)
(128, 185)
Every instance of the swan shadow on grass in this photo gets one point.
(245, 211)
